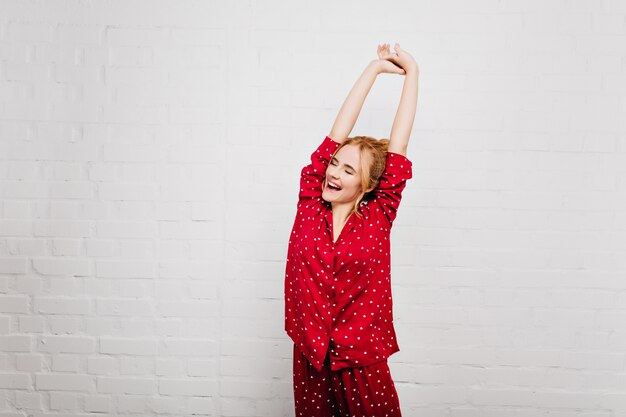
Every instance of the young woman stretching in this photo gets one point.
(338, 306)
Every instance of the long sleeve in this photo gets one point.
(389, 192)
(312, 175)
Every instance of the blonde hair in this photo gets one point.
(373, 160)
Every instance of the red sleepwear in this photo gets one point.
(355, 392)
(338, 294)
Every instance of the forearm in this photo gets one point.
(403, 122)
(351, 108)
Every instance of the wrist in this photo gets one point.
(374, 66)
(412, 70)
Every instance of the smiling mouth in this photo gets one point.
(332, 186)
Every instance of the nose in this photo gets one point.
(333, 172)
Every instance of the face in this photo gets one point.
(343, 172)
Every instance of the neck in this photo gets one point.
(342, 211)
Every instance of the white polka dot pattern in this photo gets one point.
(338, 294)
(365, 391)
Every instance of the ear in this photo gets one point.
(373, 187)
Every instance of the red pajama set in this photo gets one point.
(338, 304)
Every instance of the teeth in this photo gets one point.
(333, 184)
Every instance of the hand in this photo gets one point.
(385, 62)
(400, 59)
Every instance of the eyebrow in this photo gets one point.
(349, 166)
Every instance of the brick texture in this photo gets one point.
(149, 161)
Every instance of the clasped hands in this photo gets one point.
(398, 62)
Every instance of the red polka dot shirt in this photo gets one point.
(338, 294)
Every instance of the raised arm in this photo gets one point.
(403, 122)
(351, 108)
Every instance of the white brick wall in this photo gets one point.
(149, 160)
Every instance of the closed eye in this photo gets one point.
(349, 171)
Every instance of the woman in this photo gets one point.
(338, 305)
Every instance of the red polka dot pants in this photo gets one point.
(367, 391)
